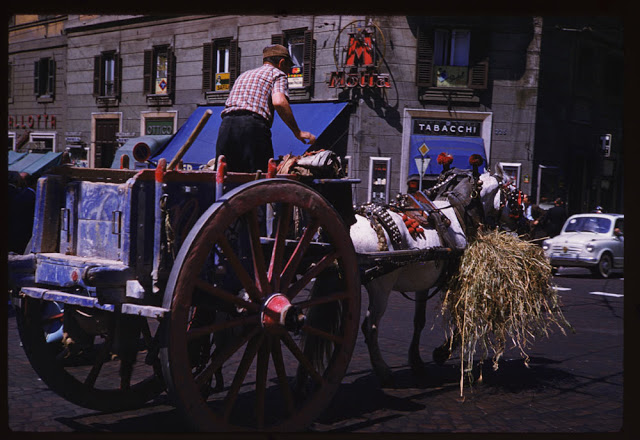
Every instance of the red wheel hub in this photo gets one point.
(274, 310)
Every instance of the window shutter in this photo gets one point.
(117, 75)
(424, 58)
(51, 77)
(147, 72)
(478, 60)
(97, 64)
(234, 62)
(171, 72)
(36, 78)
(277, 39)
(207, 66)
(308, 59)
(478, 75)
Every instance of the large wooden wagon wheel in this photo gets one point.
(104, 369)
(248, 309)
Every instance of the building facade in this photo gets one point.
(415, 86)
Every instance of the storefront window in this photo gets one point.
(379, 179)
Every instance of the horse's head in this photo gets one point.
(501, 200)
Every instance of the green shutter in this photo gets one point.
(117, 75)
(36, 78)
(308, 59)
(234, 62)
(97, 64)
(277, 39)
(207, 66)
(147, 72)
(424, 58)
(51, 77)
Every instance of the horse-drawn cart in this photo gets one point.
(137, 282)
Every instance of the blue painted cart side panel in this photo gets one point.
(103, 215)
(49, 199)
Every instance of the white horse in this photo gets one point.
(418, 277)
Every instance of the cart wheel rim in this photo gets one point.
(273, 312)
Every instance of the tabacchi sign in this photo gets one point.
(358, 53)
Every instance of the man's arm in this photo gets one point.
(281, 104)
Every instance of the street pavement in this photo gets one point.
(574, 383)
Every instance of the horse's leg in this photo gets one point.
(378, 290)
(442, 353)
(419, 320)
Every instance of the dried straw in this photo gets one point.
(502, 292)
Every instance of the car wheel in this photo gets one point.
(603, 269)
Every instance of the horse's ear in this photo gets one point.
(499, 170)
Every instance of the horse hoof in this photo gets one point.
(441, 355)
(417, 366)
(386, 379)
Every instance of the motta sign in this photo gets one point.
(361, 79)
(358, 56)
(32, 121)
(446, 127)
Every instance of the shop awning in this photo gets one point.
(312, 117)
(36, 163)
(15, 156)
(461, 148)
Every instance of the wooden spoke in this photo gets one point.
(101, 357)
(313, 272)
(278, 363)
(226, 296)
(277, 255)
(241, 373)
(337, 296)
(262, 368)
(321, 333)
(259, 266)
(299, 355)
(294, 262)
(208, 329)
(239, 270)
(219, 357)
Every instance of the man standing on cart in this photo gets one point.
(244, 137)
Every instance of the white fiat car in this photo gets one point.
(594, 241)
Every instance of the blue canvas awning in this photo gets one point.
(15, 156)
(312, 117)
(461, 148)
(35, 163)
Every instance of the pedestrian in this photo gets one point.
(533, 213)
(554, 218)
(244, 137)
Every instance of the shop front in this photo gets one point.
(427, 133)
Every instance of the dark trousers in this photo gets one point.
(245, 141)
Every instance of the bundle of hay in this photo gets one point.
(502, 292)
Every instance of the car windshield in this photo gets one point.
(588, 224)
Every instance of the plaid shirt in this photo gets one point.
(252, 91)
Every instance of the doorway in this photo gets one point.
(106, 142)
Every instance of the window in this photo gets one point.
(302, 48)
(12, 141)
(379, 179)
(107, 74)
(451, 58)
(44, 77)
(40, 142)
(451, 48)
(159, 71)
(512, 170)
(220, 64)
